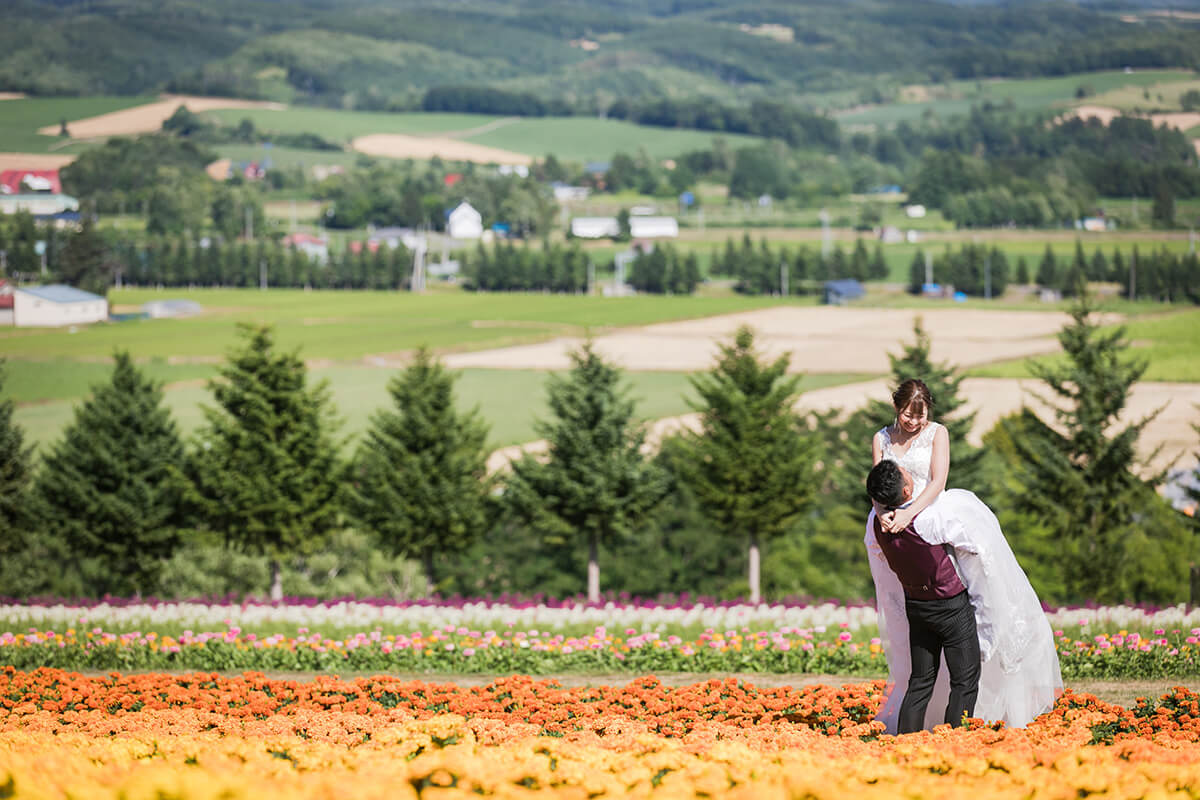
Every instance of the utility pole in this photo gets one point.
(262, 273)
(1133, 276)
(783, 278)
(928, 268)
(591, 276)
(987, 275)
(249, 223)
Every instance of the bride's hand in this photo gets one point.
(898, 520)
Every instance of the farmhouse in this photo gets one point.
(56, 305)
(464, 222)
(316, 248)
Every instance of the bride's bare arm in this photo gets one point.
(939, 468)
(876, 449)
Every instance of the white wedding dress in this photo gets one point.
(1020, 677)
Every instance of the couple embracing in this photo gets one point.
(964, 631)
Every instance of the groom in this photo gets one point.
(940, 616)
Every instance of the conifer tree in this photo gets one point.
(420, 476)
(1116, 540)
(1047, 274)
(751, 465)
(1022, 271)
(266, 472)
(16, 473)
(107, 487)
(595, 482)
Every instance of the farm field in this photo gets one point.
(504, 344)
(957, 97)
(20, 119)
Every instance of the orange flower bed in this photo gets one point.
(204, 736)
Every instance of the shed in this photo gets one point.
(464, 222)
(57, 305)
(595, 227)
(653, 227)
(841, 291)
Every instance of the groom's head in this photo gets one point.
(889, 484)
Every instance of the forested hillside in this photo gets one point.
(574, 58)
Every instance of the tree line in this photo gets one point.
(757, 500)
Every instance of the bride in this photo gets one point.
(1020, 676)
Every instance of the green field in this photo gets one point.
(587, 139)
(282, 157)
(1170, 342)
(957, 97)
(344, 325)
(571, 138)
(20, 119)
(342, 126)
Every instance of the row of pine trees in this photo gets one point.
(759, 501)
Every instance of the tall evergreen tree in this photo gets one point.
(16, 473)
(266, 472)
(595, 482)
(751, 465)
(420, 476)
(107, 486)
(1116, 539)
(1047, 273)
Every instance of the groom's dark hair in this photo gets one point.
(885, 484)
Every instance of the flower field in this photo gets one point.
(1173, 654)
(638, 639)
(569, 616)
(201, 735)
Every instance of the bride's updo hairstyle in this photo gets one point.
(910, 392)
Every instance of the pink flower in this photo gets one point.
(468, 651)
(845, 636)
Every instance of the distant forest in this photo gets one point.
(553, 56)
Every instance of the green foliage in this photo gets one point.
(1116, 538)
(751, 464)
(265, 470)
(125, 173)
(351, 564)
(595, 483)
(86, 261)
(106, 489)
(664, 270)
(419, 479)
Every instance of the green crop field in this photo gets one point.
(587, 139)
(20, 119)
(958, 97)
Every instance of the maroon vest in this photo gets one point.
(925, 570)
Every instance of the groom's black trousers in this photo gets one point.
(935, 626)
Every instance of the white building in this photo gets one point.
(564, 193)
(464, 222)
(55, 306)
(595, 227)
(653, 227)
(40, 205)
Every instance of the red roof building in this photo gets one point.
(28, 181)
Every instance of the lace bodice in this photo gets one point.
(917, 458)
